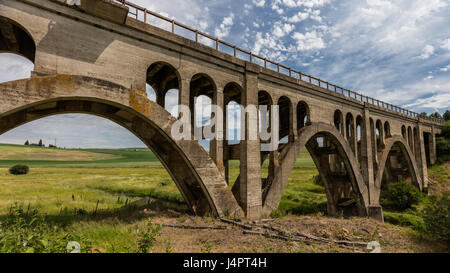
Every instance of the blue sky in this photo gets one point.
(396, 51)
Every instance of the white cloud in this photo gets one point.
(14, 67)
(303, 15)
(445, 69)
(224, 29)
(281, 30)
(259, 3)
(446, 44)
(436, 102)
(427, 51)
(308, 41)
(298, 17)
(302, 3)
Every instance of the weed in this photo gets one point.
(146, 238)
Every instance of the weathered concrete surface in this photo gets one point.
(190, 166)
(97, 45)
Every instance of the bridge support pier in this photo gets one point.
(376, 212)
(423, 158)
(250, 167)
(432, 139)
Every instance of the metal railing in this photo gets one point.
(143, 14)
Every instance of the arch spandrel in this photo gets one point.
(291, 152)
(190, 166)
(390, 142)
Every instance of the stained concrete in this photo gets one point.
(94, 59)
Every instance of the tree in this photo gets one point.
(423, 115)
(27, 143)
(446, 115)
(40, 143)
(436, 115)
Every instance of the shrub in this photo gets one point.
(436, 216)
(146, 238)
(400, 196)
(404, 219)
(19, 169)
(30, 232)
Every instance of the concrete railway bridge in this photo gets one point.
(98, 57)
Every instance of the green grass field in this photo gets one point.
(102, 176)
(70, 185)
(98, 193)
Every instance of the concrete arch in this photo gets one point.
(379, 134)
(387, 129)
(190, 166)
(18, 39)
(289, 155)
(264, 98)
(303, 115)
(232, 92)
(162, 77)
(286, 117)
(202, 84)
(415, 175)
(338, 121)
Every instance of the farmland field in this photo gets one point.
(102, 194)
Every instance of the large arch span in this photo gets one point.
(337, 146)
(401, 146)
(195, 174)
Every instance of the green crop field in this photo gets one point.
(81, 178)
(101, 194)
(69, 186)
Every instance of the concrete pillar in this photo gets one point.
(433, 156)
(422, 164)
(376, 212)
(161, 98)
(417, 154)
(250, 167)
(294, 129)
(216, 147)
(367, 157)
(355, 138)
(184, 92)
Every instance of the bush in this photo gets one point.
(30, 232)
(19, 169)
(400, 196)
(146, 238)
(404, 219)
(436, 216)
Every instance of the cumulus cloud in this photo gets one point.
(308, 41)
(381, 48)
(427, 51)
(281, 29)
(259, 3)
(446, 44)
(224, 29)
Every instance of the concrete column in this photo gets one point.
(433, 156)
(375, 210)
(160, 98)
(250, 167)
(184, 92)
(216, 147)
(355, 138)
(422, 164)
(294, 122)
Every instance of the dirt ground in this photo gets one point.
(232, 239)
